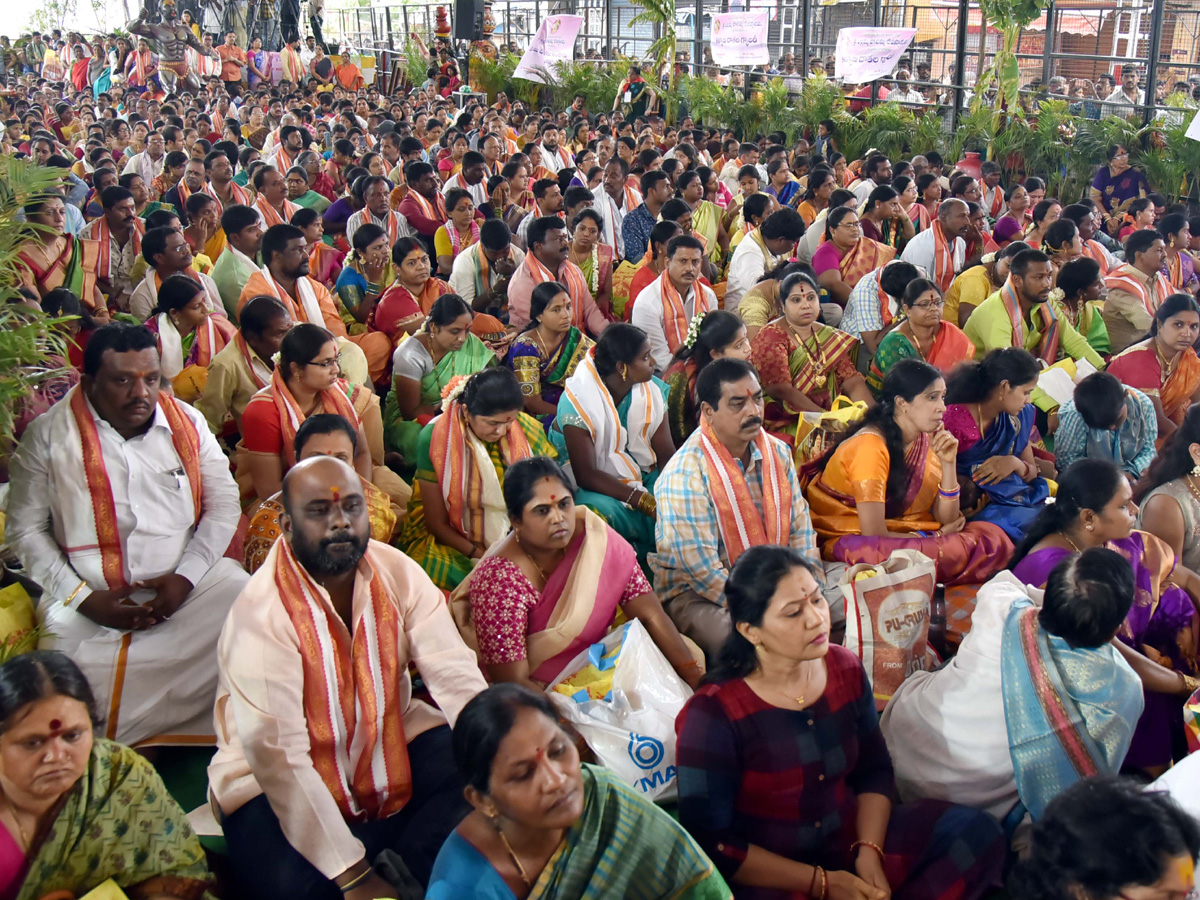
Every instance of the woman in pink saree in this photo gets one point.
(556, 584)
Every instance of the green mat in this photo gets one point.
(184, 771)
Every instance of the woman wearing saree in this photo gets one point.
(324, 262)
(802, 364)
(548, 351)
(910, 203)
(1117, 185)
(1082, 288)
(80, 810)
(305, 381)
(929, 194)
(1017, 205)
(882, 219)
(1094, 508)
(611, 431)
(459, 232)
(604, 839)
(782, 184)
(52, 259)
(1179, 268)
(698, 188)
(846, 255)
(1045, 214)
(990, 416)
(892, 484)
(457, 508)
(189, 335)
(556, 585)
(821, 184)
(714, 335)
(423, 364)
(321, 434)
(922, 333)
(402, 308)
(365, 275)
(595, 260)
(1164, 367)
(763, 302)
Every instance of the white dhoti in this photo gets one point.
(155, 686)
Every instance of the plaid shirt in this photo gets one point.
(862, 308)
(1071, 438)
(784, 780)
(691, 555)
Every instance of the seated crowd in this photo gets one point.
(352, 453)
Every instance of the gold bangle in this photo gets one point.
(356, 880)
(870, 844)
(75, 593)
(1190, 683)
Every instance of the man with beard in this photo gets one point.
(729, 487)
(665, 308)
(546, 260)
(310, 792)
(1025, 298)
(122, 507)
(284, 276)
(553, 157)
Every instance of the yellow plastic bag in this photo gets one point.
(17, 619)
(106, 891)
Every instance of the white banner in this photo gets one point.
(740, 38)
(554, 42)
(864, 54)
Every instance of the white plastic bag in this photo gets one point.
(631, 730)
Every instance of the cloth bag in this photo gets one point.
(622, 696)
(887, 618)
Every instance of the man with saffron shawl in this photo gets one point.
(1021, 314)
(112, 446)
(311, 791)
(1035, 699)
(730, 486)
(461, 458)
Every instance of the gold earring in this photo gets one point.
(624, 372)
(1089, 528)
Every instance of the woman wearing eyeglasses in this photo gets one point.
(922, 333)
(846, 254)
(306, 381)
(1118, 184)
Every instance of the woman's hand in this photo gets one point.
(848, 886)
(954, 527)
(869, 866)
(997, 468)
(945, 446)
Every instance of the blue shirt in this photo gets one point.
(636, 228)
(1131, 446)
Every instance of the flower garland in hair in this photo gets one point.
(453, 388)
(1057, 295)
(693, 330)
(987, 259)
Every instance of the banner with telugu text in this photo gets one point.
(864, 54)
(740, 38)
(554, 42)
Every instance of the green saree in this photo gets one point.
(401, 434)
(118, 822)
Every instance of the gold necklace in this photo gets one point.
(1190, 481)
(1074, 546)
(821, 377)
(512, 853)
(1166, 365)
(916, 340)
(535, 565)
(16, 818)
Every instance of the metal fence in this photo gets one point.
(1085, 43)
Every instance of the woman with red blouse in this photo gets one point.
(784, 777)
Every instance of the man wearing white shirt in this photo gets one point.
(876, 171)
(149, 162)
(471, 178)
(553, 157)
(121, 508)
(309, 52)
(679, 288)
(168, 253)
(952, 223)
(376, 189)
(1127, 94)
(760, 251)
(615, 201)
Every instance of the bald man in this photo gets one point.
(941, 250)
(310, 795)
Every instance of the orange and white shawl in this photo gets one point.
(434, 210)
(943, 258)
(467, 476)
(258, 369)
(570, 275)
(270, 215)
(94, 526)
(291, 417)
(675, 319)
(737, 519)
(993, 201)
(283, 161)
(309, 307)
(241, 196)
(633, 198)
(1094, 250)
(353, 692)
(1127, 279)
(622, 450)
(293, 66)
(142, 60)
(101, 233)
(211, 337)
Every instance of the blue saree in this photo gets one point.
(1070, 713)
(1012, 504)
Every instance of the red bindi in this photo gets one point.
(540, 754)
(55, 724)
(337, 493)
